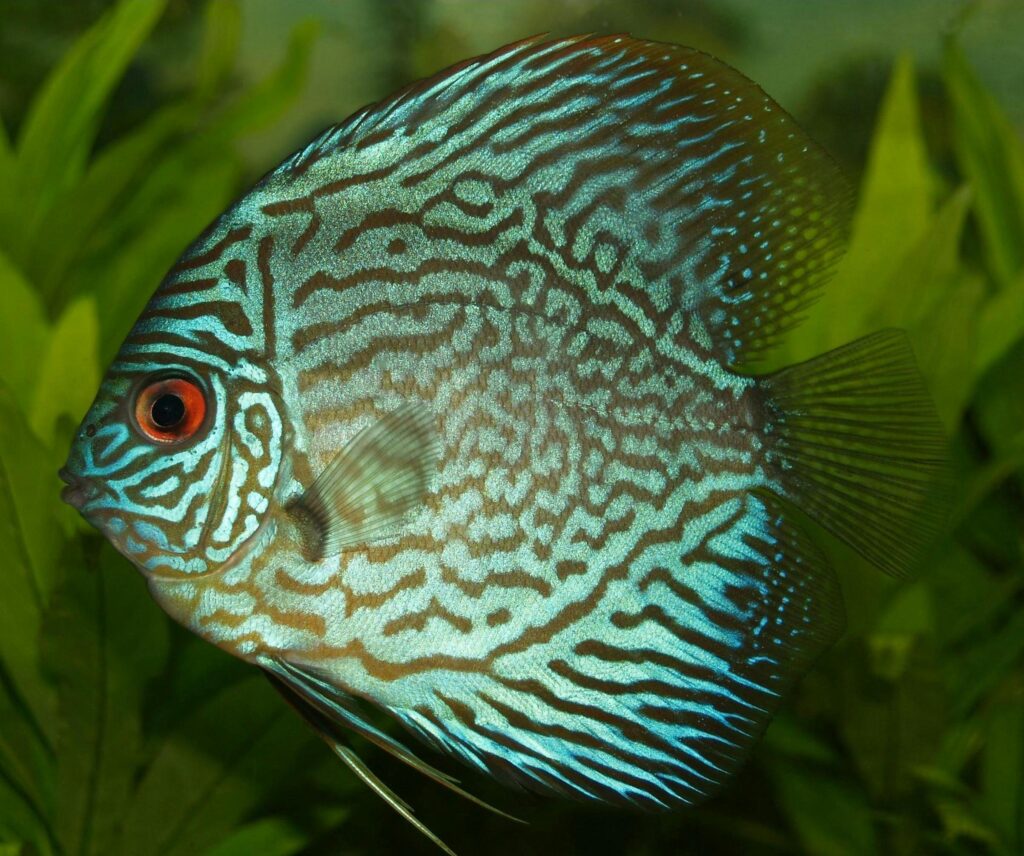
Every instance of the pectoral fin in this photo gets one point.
(370, 489)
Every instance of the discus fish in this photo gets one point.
(453, 413)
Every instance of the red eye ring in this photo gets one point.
(170, 410)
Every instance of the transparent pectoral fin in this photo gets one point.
(370, 489)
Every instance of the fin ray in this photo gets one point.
(859, 447)
(369, 489)
(370, 779)
(312, 694)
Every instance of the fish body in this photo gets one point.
(480, 442)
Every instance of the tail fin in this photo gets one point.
(858, 446)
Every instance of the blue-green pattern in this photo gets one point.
(565, 253)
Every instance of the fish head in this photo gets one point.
(179, 458)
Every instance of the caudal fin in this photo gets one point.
(857, 445)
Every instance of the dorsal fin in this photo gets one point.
(721, 205)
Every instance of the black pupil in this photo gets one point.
(168, 410)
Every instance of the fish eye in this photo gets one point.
(170, 410)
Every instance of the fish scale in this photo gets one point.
(484, 447)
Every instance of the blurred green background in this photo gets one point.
(127, 127)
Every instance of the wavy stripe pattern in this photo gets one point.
(556, 250)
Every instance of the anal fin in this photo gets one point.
(328, 710)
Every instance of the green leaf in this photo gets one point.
(987, 478)
(960, 821)
(8, 166)
(910, 611)
(893, 213)
(999, 406)
(112, 180)
(986, 664)
(271, 837)
(1000, 325)
(944, 343)
(105, 640)
(20, 823)
(893, 710)
(30, 547)
(23, 332)
(183, 193)
(992, 157)
(61, 125)
(829, 816)
(69, 374)
(966, 597)
(214, 770)
(928, 270)
(1002, 769)
(264, 102)
(197, 192)
(222, 30)
(787, 736)
(25, 763)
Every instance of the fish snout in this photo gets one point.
(77, 491)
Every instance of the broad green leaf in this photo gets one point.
(26, 699)
(265, 101)
(183, 193)
(214, 770)
(960, 821)
(111, 181)
(1000, 325)
(830, 817)
(991, 475)
(69, 373)
(911, 611)
(278, 836)
(6, 152)
(7, 169)
(222, 30)
(991, 155)
(893, 710)
(893, 213)
(1002, 769)
(30, 543)
(929, 270)
(132, 181)
(986, 664)
(787, 736)
(23, 332)
(59, 130)
(944, 344)
(105, 640)
(203, 188)
(966, 596)
(270, 837)
(25, 762)
(999, 406)
(197, 665)
(19, 823)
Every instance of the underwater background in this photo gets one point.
(126, 127)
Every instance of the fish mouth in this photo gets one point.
(76, 493)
